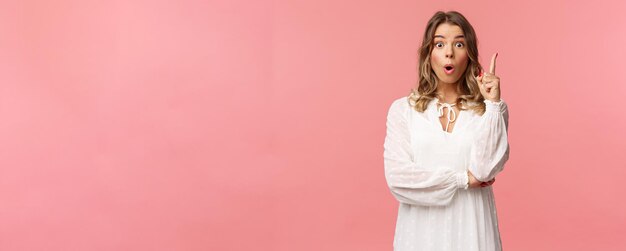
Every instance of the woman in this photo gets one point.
(445, 144)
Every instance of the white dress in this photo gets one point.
(426, 171)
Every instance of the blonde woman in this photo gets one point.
(445, 143)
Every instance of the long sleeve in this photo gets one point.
(490, 149)
(410, 183)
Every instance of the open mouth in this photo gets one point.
(449, 69)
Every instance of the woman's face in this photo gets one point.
(448, 57)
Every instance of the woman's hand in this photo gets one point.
(473, 182)
(489, 84)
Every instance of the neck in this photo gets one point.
(446, 92)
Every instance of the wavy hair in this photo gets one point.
(469, 93)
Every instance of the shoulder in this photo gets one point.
(470, 105)
(401, 104)
(400, 109)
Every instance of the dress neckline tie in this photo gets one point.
(451, 116)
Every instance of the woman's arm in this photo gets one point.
(490, 149)
(410, 183)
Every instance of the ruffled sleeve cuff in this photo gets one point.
(491, 106)
(462, 180)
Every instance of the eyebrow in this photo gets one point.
(441, 36)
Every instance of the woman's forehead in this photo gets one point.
(449, 31)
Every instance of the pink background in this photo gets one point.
(250, 125)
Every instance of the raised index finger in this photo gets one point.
(492, 67)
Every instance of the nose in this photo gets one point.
(449, 52)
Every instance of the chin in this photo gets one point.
(449, 79)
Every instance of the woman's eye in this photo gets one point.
(457, 44)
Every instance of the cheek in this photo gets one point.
(463, 59)
(436, 58)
